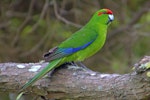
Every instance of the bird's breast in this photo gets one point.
(91, 49)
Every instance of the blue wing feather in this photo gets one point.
(73, 50)
(57, 52)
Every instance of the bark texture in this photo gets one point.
(75, 83)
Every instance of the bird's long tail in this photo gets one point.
(44, 71)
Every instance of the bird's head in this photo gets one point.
(103, 16)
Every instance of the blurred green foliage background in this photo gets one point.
(28, 28)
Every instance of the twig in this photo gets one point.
(16, 39)
(16, 14)
(38, 45)
(43, 12)
(4, 25)
(63, 19)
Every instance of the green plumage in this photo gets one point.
(42, 73)
(81, 45)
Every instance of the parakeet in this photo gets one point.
(81, 45)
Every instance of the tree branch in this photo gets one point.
(70, 82)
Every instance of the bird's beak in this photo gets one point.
(111, 18)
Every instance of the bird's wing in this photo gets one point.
(78, 41)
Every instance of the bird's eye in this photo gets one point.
(105, 12)
(100, 13)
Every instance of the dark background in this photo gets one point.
(28, 28)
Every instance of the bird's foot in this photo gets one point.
(83, 66)
(79, 64)
(71, 63)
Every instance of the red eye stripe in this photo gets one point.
(100, 13)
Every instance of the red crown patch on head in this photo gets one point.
(105, 11)
(109, 11)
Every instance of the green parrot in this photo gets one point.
(81, 45)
